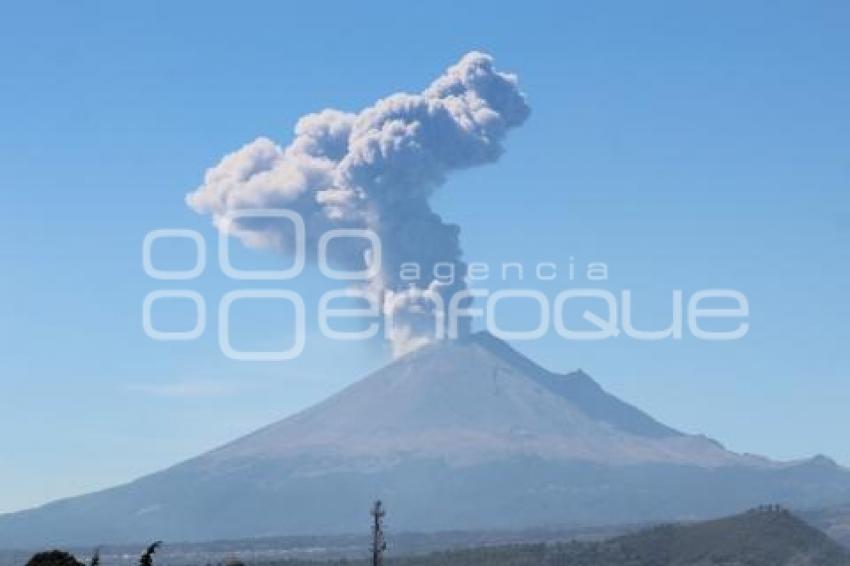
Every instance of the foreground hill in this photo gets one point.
(834, 521)
(458, 435)
(762, 537)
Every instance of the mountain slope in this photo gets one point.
(456, 435)
(471, 402)
(580, 390)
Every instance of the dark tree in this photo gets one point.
(147, 558)
(54, 558)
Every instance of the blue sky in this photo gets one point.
(687, 145)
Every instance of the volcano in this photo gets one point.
(465, 434)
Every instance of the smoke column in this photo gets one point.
(376, 169)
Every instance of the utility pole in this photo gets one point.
(379, 544)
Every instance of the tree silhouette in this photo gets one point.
(147, 558)
(54, 558)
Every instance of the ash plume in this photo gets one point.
(376, 169)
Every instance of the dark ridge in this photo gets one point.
(766, 536)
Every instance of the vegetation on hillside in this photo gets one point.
(767, 536)
(62, 558)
